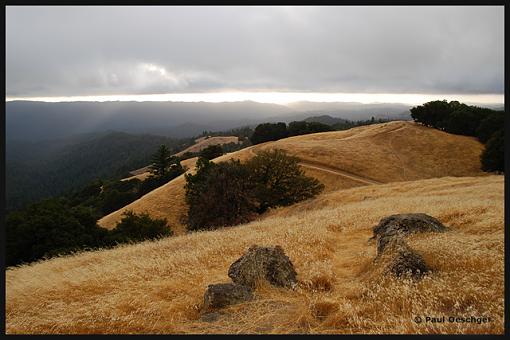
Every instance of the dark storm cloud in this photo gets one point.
(60, 51)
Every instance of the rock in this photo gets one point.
(268, 263)
(404, 261)
(225, 294)
(404, 224)
(210, 317)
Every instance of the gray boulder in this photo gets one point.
(404, 261)
(225, 294)
(403, 224)
(269, 263)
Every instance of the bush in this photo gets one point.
(493, 157)
(136, 228)
(219, 195)
(279, 180)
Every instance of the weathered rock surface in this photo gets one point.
(268, 263)
(403, 260)
(403, 224)
(225, 294)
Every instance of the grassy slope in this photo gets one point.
(203, 142)
(394, 151)
(157, 287)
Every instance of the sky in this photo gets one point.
(268, 54)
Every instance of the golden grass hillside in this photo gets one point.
(204, 142)
(379, 153)
(157, 287)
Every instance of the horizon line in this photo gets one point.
(273, 97)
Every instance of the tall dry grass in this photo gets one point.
(157, 287)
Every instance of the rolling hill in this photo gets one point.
(366, 155)
(157, 287)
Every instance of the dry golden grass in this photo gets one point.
(203, 142)
(157, 287)
(388, 152)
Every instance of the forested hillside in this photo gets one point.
(38, 170)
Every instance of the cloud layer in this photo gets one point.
(70, 51)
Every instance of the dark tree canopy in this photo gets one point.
(219, 195)
(230, 193)
(161, 161)
(269, 132)
(211, 152)
(493, 157)
(493, 122)
(279, 180)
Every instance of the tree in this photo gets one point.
(268, 132)
(493, 157)
(490, 124)
(279, 180)
(211, 152)
(219, 195)
(161, 161)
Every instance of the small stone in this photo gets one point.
(225, 294)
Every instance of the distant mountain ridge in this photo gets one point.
(35, 121)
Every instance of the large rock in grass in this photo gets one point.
(404, 261)
(269, 263)
(224, 294)
(403, 224)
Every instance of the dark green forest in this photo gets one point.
(35, 171)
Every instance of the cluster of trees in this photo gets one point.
(230, 193)
(108, 196)
(266, 132)
(55, 227)
(458, 118)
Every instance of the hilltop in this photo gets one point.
(158, 287)
(366, 155)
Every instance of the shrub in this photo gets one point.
(280, 180)
(136, 228)
(493, 157)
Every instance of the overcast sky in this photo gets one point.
(78, 51)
